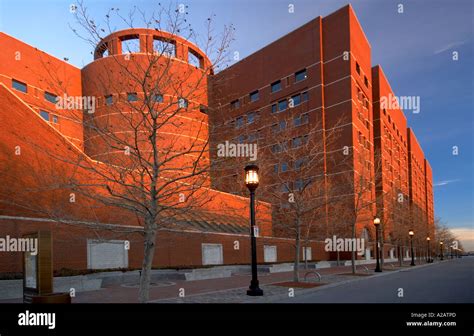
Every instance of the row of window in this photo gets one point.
(23, 87)
(284, 166)
(297, 185)
(366, 81)
(291, 102)
(49, 117)
(394, 128)
(274, 87)
(295, 143)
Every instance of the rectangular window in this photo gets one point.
(251, 118)
(300, 75)
(50, 97)
(358, 68)
(109, 100)
(240, 139)
(239, 122)
(253, 96)
(282, 105)
(304, 97)
(276, 148)
(276, 86)
(274, 108)
(299, 163)
(235, 104)
(44, 115)
(19, 86)
(163, 47)
(275, 168)
(300, 120)
(132, 97)
(299, 184)
(296, 99)
(366, 81)
(55, 119)
(284, 167)
(158, 98)
(203, 109)
(182, 103)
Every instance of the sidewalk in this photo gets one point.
(232, 289)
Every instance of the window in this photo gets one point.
(254, 96)
(275, 168)
(235, 104)
(304, 97)
(239, 122)
(182, 103)
(299, 141)
(44, 115)
(19, 86)
(240, 139)
(203, 109)
(251, 118)
(195, 59)
(366, 81)
(276, 148)
(282, 105)
(296, 100)
(384, 112)
(284, 188)
(299, 185)
(252, 137)
(130, 44)
(276, 86)
(284, 167)
(300, 75)
(358, 68)
(299, 163)
(274, 108)
(300, 120)
(163, 47)
(109, 100)
(132, 97)
(50, 97)
(55, 119)
(158, 98)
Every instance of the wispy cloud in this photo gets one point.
(445, 182)
(449, 46)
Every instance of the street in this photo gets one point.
(447, 282)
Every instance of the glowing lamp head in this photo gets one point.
(251, 176)
(428, 238)
(411, 233)
(441, 243)
(376, 221)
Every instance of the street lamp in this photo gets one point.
(251, 181)
(411, 233)
(441, 249)
(377, 224)
(428, 239)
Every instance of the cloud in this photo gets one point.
(466, 236)
(449, 46)
(445, 182)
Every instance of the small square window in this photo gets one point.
(44, 115)
(251, 118)
(203, 109)
(284, 167)
(132, 97)
(158, 98)
(274, 108)
(275, 168)
(182, 103)
(366, 81)
(235, 104)
(304, 97)
(295, 100)
(55, 119)
(50, 97)
(282, 105)
(254, 96)
(300, 75)
(19, 86)
(109, 100)
(239, 122)
(276, 86)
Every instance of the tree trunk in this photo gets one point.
(296, 273)
(353, 254)
(400, 256)
(149, 252)
(338, 258)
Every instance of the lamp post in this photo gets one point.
(411, 233)
(428, 239)
(377, 243)
(441, 249)
(251, 181)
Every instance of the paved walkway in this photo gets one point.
(232, 289)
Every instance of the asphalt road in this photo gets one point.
(450, 281)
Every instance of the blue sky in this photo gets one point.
(414, 48)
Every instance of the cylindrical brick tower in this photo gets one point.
(132, 69)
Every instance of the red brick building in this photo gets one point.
(309, 85)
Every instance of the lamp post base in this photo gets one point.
(254, 290)
(378, 269)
